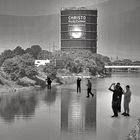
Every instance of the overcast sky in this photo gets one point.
(28, 22)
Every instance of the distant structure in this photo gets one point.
(79, 29)
(41, 62)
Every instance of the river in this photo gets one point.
(116, 128)
(62, 114)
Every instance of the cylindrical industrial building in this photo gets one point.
(79, 29)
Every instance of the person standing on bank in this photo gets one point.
(120, 92)
(127, 99)
(89, 87)
(49, 81)
(115, 99)
(78, 85)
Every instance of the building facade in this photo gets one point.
(79, 29)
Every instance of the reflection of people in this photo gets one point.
(127, 99)
(115, 99)
(78, 85)
(120, 92)
(49, 81)
(89, 87)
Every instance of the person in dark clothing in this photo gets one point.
(115, 99)
(89, 87)
(78, 85)
(120, 92)
(49, 81)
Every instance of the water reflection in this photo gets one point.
(90, 114)
(24, 104)
(15, 106)
(52, 114)
(50, 96)
(78, 115)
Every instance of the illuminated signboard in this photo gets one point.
(76, 19)
(76, 27)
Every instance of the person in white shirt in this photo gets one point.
(127, 99)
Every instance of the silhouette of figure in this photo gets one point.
(115, 99)
(89, 87)
(120, 92)
(127, 99)
(78, 85)
(49, 81)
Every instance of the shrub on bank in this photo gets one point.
(25, 81)
(20, 66)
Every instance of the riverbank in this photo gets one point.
(65, 80)
(5, 90)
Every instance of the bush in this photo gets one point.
(50, 70)
(20, 66)
(78, 60)
(25, 81)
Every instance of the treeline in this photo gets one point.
(77, 61)
(125, 62)
(33, 51)
(18, 63)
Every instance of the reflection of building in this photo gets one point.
(72, 114)
(76, 119)
(79, 29)
(78, 116)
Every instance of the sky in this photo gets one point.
(28, 22)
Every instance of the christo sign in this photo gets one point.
(76, 19)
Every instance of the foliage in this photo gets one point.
(79, 60)
(10, 54)
(50, 70)
(123, 62)
(44, 55)
(19, 62)
(25, 81)
(35, 50)
(18, 51)
(20, 66)
(28, 50)
(5, 55)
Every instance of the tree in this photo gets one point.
(61, 59)
(44, 55)
(5, 55)
(10, 66)
(127, 62)
(79, 60)
(28, 59)
(20, 66)
(35, 50)
(50, 70)
(18, 51)
(28, 50)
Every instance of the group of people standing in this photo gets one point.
(89, 87)
(117, 98)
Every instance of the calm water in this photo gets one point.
(116, 129)
(60, 114)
